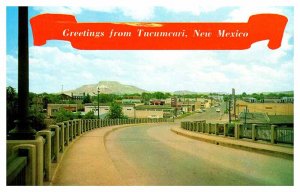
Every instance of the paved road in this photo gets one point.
(210, 115)
(153, 155)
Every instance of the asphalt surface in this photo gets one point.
(153, 155)
(210, 115)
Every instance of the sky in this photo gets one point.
(258, 69)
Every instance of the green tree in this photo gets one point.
(87, 99)
(115, 111)
(159, 95)
(146, 97)
(11, 108)
(37, 118)
(105, 98)
(63, 115)
(89, 115)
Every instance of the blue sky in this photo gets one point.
(257, 69)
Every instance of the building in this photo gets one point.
(250, 99)
(173, 102)
(78, 96)
(65, 97)
(268, 108)
(157, 102)
(270, 100)
(154, 111)
(53, 108)
(128, 109)
(131, 101)
(103, 108)
(263, 118)
(287, 100)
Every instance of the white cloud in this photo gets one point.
(51, 67)
(242, 14)
(11, 71)
(61, 9)
(139, 10)
(255, 69)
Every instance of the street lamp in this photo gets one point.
(23, 130)
(98, 95)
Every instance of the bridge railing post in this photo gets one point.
(74, 128)
(237, 127)
(71, 130)
(225, 129)
(273, 134)
(254, 132)
(198, 126)
(61, 136)
(195, 126)
(67, 133)
(56, 129)
(87, 125)
(47, 152)
(217, 129)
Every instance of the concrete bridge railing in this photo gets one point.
(266, 132)
(30, 161)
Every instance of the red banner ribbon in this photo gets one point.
(159, 36)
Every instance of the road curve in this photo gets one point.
(151, 154)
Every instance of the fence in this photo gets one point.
(50, 143)
(263, 132)
(16, 170)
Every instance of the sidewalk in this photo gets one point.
(86, 162)
(269, 149)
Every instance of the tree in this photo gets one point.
(63, 115)
(87, 99)
(89, 115)
(105, 98)
(146, 97)
(11, 108)
(37, 119)
(159, 95)
(115, 111)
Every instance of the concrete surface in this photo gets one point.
(244, 144)
(86, 162)
(151, 154)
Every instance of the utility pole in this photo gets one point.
(23, 130)
(98, 90)
(229, 110)
(233, 100)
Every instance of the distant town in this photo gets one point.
(96, 102)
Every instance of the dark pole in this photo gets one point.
(229, 110)
(98, 104)
(246, 115)
(23, 130)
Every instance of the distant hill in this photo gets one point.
(107, 87)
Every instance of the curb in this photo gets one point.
(227, 142)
